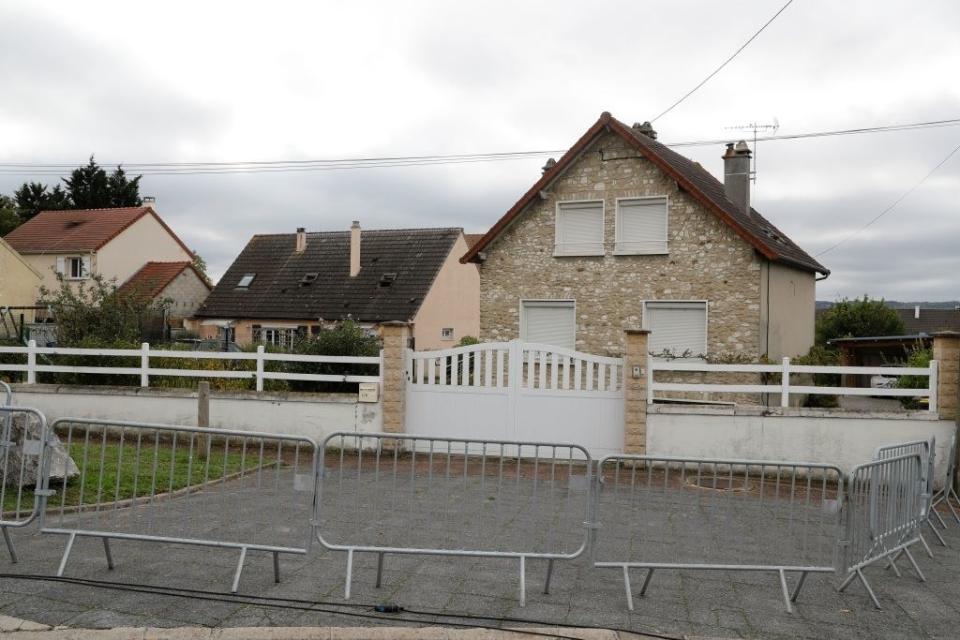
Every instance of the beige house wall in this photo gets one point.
(19, 282)
(707, 261)
(792, 306)
(453, 301)
(186, 293)
(144, 241)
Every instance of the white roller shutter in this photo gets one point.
(549, 322)
(677, 327)
(580, 228)
(642, 225)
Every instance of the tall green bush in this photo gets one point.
(345, 339)
(857, 319)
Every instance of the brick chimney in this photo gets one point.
(301, 240)
(355, 248)
(736, 175)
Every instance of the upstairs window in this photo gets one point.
(641, 226)
(74, 267)
(678, 328)
(246, 280)
(579, 229)
(446, 333)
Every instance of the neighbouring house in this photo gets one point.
(178, 285)
(19, 281)
(623, 232)
(114, 243)
(877, 351)
(285, 285)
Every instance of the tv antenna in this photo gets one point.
(755, 127)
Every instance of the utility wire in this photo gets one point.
(268, 166)
(894, 203)
(278, 602)
(725, 62)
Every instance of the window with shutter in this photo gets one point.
(552, 322)
(641, 226)
(579, 229)
(678, 328)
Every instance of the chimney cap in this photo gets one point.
(301, 230)
(550, 164)
(355, 225)
(148, 201)
(646, 129)
(737, 149)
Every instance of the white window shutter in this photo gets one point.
(86, 267)
(642, 225)
(580, 229)
(60, 265)
(548, 322)
(677, 327)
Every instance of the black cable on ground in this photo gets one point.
(296, 604)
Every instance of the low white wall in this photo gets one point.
(799, 436)
(302, 414)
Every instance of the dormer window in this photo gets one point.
(309, 278)
(387, 279)
(246, 280)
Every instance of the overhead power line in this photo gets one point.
(725, 62)
(331, 164)
(893, 205)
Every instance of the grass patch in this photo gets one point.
(115, 472)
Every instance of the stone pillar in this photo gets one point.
(946, 351)
(393, 396)
(635, 392)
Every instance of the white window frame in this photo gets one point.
(86, 266)
(644, 323)
(523, 301)
(281, 331)
(558, 252)
(617, 251)
(444, 333)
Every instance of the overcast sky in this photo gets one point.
(207, 81)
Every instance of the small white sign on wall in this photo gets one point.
(369, 392)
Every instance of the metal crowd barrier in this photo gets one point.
(927, 451)
(665, 513)
(183, 485)
(23, 432)
(885, 502)
(382, 493)
(947, 492)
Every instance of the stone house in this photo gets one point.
(179, 285)
(623, 232)
(288, 284)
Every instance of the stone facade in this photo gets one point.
(946, 351)
(396, 339)
(707, 260)
(186, 293)
(635, 393)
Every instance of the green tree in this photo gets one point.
(200, 264)
(345, 339)
(856, 319)
(34, 197)
(9, 216)
(89, 187)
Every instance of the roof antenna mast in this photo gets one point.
(755, 127)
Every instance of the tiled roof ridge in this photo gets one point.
(397, 230)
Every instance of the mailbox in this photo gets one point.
(369, 392)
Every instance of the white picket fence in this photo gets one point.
(145, 371)
(785, 368)
(531, 366)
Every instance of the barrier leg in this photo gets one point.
(892, 564)
(914, 563)
(523, 581)
(796, 590)
(379, 569)
(106, 551)
(626, 587)
(346, 587)
(546, 584)
(943, 543)
(276, 567)
(923, 542)
(10, 549)
(936, 514)
(646, 582)
(236, 576)
(956, 516)
(784, 590)
(857, 573)
(66, 554)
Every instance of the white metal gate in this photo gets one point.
(517, 391)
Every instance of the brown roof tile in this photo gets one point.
(153, 278)
(752, 227)
(78, 229)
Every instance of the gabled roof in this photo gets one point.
(153, 278)
(759, 232)
(397, 269)
(78, 229)
(930, 321)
